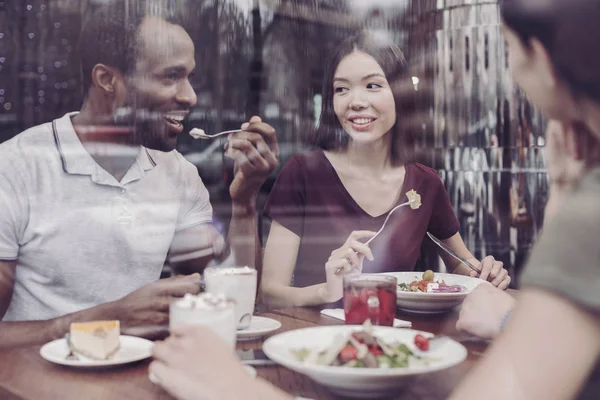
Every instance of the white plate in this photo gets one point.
(132, 349)
(259, 327)
(360, 382)
(429, 303)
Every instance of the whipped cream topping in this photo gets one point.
(205, 301)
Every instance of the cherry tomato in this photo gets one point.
(348, 353)
(421, 342)
(375, 350)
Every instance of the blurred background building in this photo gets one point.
(267, 57)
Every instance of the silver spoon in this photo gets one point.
(198, 133)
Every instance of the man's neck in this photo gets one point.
(105, 142)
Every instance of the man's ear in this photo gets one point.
(106, 78)
(543, 63)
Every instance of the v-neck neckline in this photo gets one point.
(354, 203)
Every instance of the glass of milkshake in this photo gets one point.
(213, 311)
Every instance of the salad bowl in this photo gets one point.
(358, 382)
(437, 302)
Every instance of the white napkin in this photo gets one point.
(338, 313)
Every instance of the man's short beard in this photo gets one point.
(146, 134)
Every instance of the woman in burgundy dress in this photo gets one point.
(327, 203)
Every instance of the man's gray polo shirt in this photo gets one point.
(81, 238)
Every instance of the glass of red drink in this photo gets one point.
(370, 296)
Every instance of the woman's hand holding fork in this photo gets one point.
(348, 258)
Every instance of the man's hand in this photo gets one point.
(483, 310)
(255, 153)
(146, 311)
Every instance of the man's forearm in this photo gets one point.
(25, 333)
(243, 235)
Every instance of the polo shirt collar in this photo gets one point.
(145, 160)
(76, 159)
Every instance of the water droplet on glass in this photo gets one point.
(40, 69)
(57, 64)
(31, 35)
(2, 92)
(41, 93)
(7, 106)
(2, 59)
(57, 86)
(29, 7)
(57, 25)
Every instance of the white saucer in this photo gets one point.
(132, 349)
(259, 327)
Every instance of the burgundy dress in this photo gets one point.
(310, 200)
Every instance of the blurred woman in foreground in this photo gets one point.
(551, 344)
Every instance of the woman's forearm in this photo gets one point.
(277, 295)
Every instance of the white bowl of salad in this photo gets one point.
(428, 292)
(362, 362)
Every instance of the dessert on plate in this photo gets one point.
(98, 340)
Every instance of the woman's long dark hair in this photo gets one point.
(570, 32)
(330, 135)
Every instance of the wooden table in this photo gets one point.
(25, 375)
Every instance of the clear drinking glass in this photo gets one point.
(369, 296)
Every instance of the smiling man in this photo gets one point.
(93, 203)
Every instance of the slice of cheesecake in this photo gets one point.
(98, 340)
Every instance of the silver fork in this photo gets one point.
(337, 271)
(197, 133)
(386, 220)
